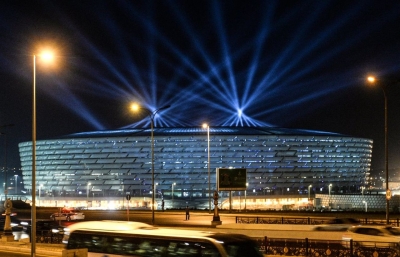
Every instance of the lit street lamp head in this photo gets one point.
(47, 56)
(371, 79)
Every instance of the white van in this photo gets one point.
(118, 239)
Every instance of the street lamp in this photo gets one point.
(245, 197)
(87, 193)
(366, 206)
(173, 184)
(152, 114)
(155, 192)
(40, 188)
(208, 165)
(16, 184)
(46, 56)
(309, 192)
(372, 80)
(329, 202)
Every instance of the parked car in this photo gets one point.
(372, 236)
(68, 215)
(337, 224)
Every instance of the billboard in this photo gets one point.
(231, 179)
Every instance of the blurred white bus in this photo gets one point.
(118, 239)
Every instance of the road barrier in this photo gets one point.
(328, 248)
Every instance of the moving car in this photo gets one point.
(372, 236)
(44, 225)
(68, 215)
(337, 224)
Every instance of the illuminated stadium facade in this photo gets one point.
(278, 161)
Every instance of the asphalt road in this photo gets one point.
(199, 220)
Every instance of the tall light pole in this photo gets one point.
(155, 192)
(47, 56)
(16, 184)
(366, 206)
(309, 192)
(173, 184)
(152, 114)
(329, 203)
(87, 193)
(40, 195)
(372, 80)
(245, 197)
(208, 166)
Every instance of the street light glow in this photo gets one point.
(135, 107)
(371, 79)
(47, 56)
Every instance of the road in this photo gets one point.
(201, 221)
(198, 221)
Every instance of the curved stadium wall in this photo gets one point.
(278, 161)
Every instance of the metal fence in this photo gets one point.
(331, 248)
(49, 237)
(306, 220)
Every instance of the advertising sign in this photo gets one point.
(231, 179)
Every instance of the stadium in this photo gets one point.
(279, 162)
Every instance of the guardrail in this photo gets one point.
(48, 236)
(331, 248)
(306, 220)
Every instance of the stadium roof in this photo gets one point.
(181, 131)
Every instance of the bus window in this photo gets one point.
(143, 246)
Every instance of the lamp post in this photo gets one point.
(208, 165)
(309, 192)
(329, 202)
(152, 114)
(47, 56)
(155, 193)
(372, 80)
(87, 193)
(16, 184)
(366, 206)
(40, 188)
(173, 184)
(245, 197)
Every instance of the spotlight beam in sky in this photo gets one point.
(233, 83)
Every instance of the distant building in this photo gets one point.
(278, 161)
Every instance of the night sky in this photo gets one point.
(295, 64)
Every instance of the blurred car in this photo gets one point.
(337, 224)
(68, 215)
(372, 236)
(44, 225)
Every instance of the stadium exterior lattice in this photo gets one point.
(278, 161)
